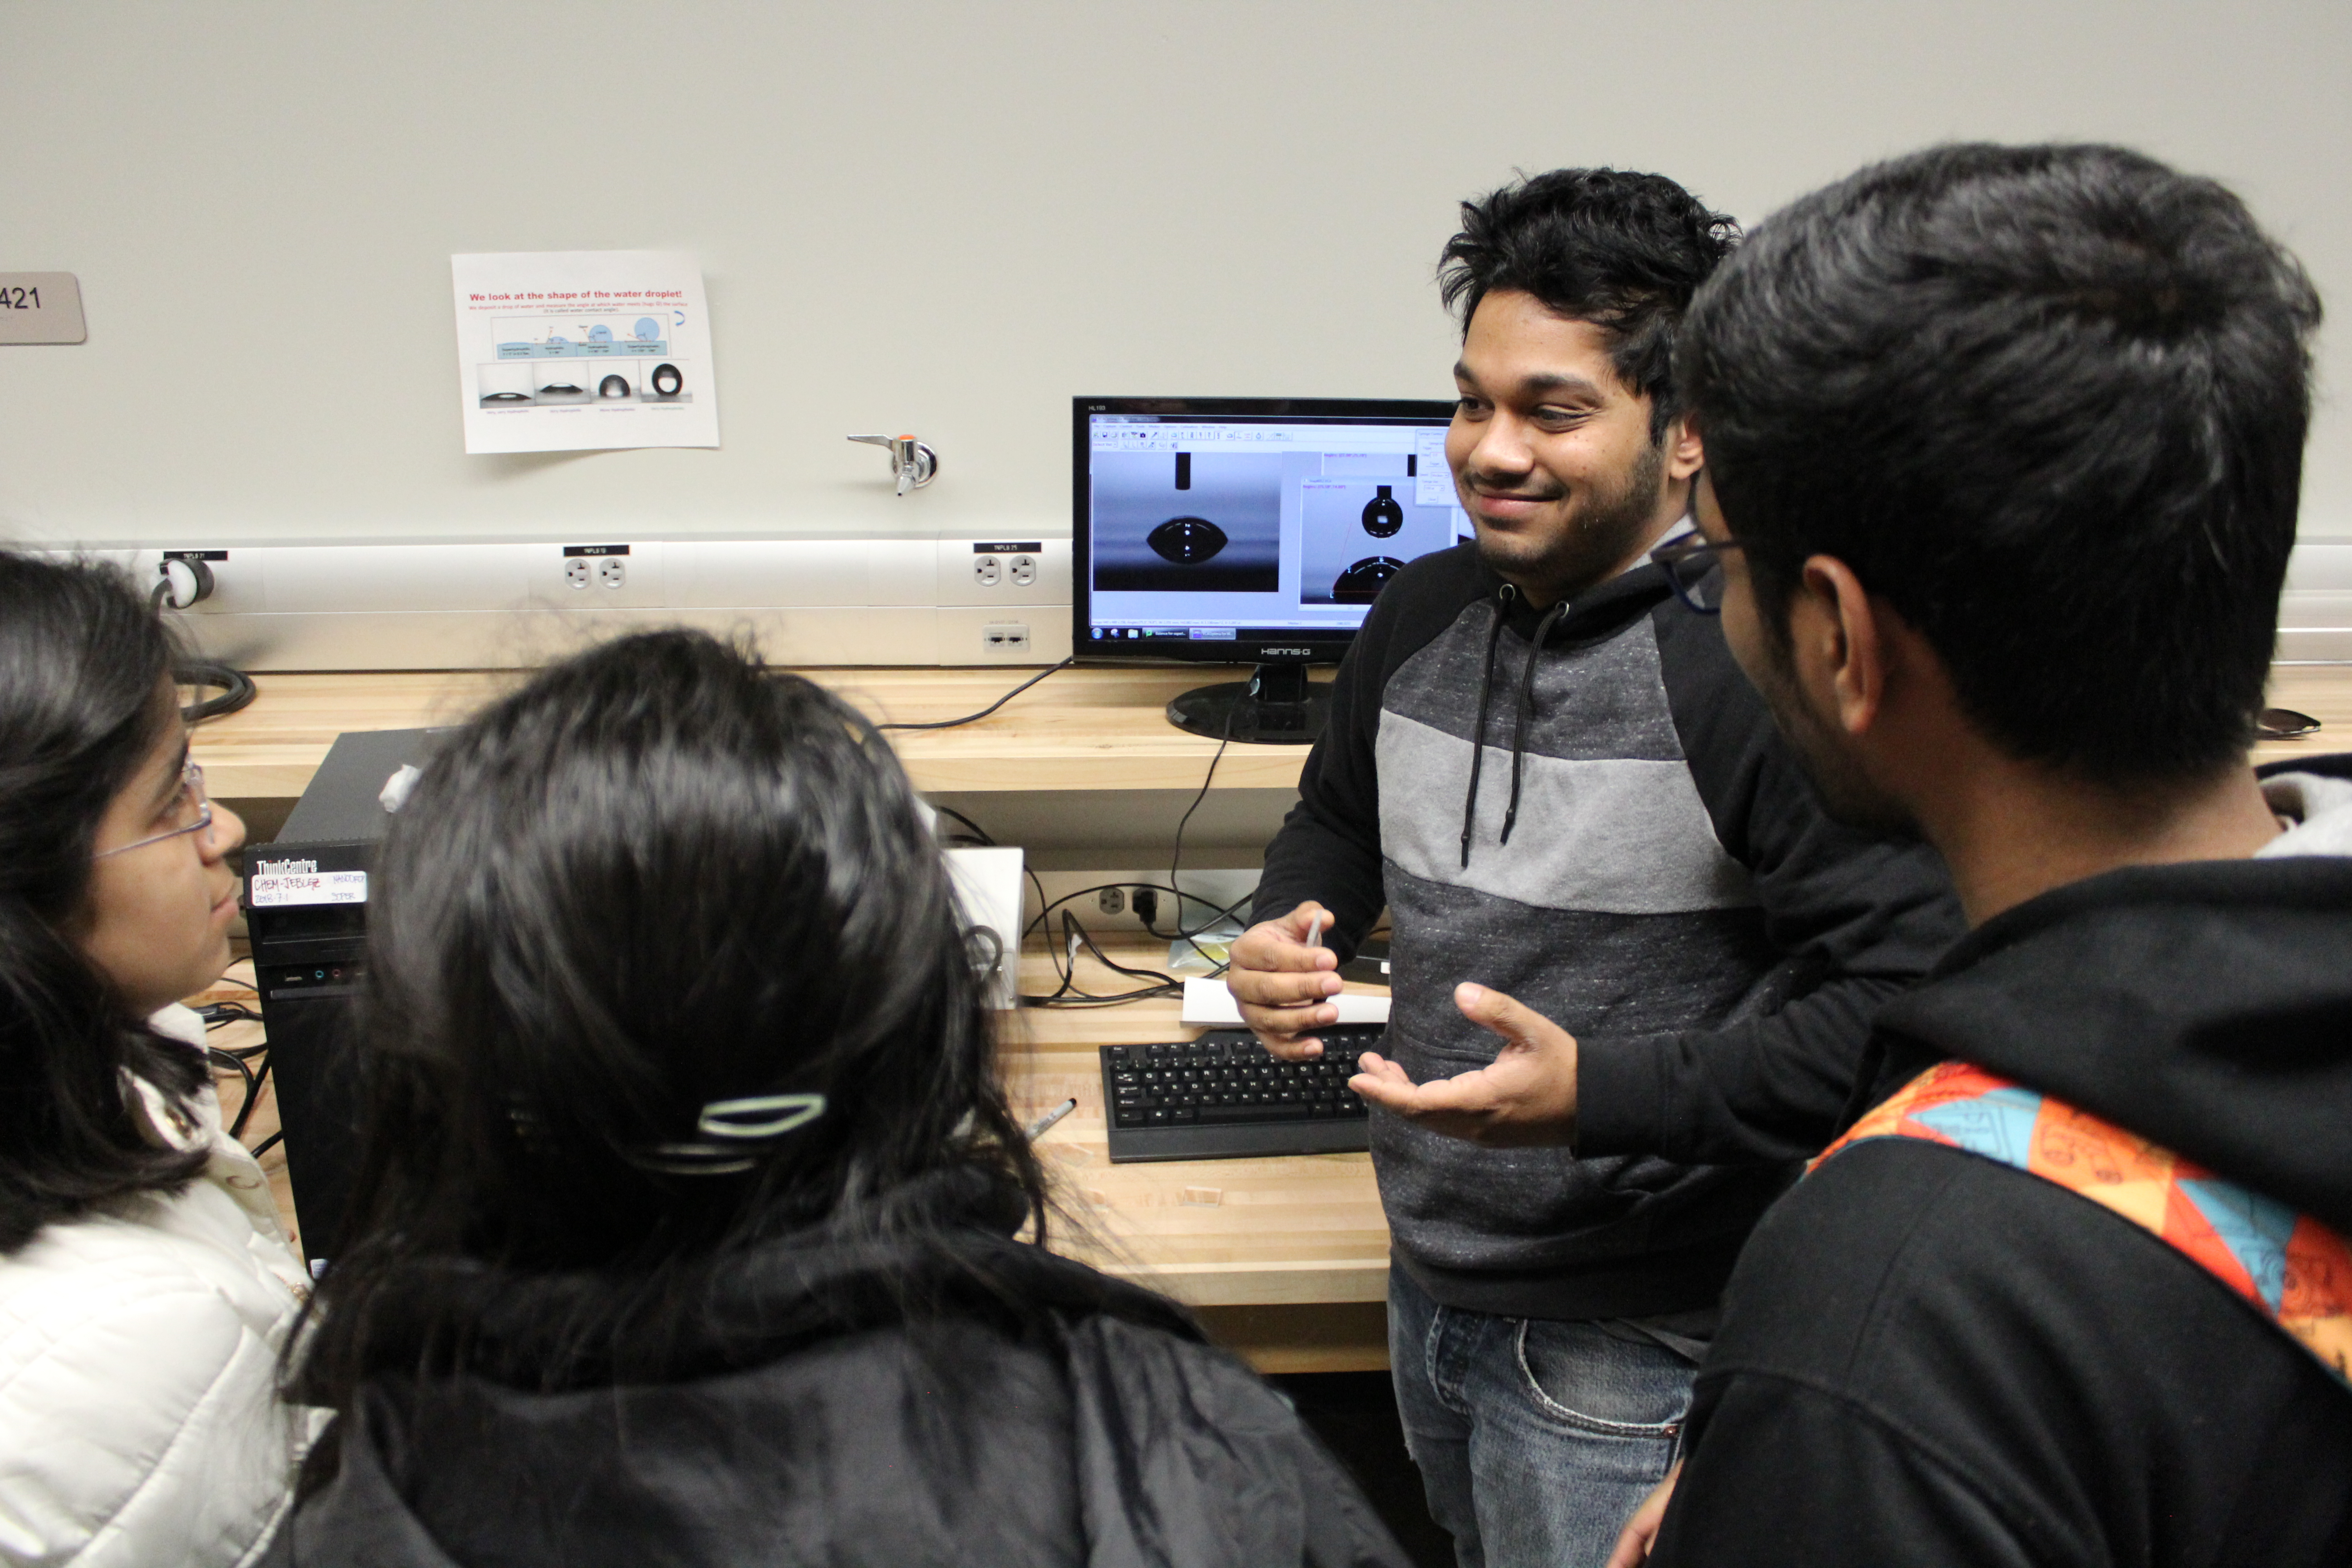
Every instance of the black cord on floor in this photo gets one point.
(975, 718)
(265, 1145)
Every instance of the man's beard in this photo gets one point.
(1601, 533)
(1846, 793)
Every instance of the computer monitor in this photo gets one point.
(1249, 531)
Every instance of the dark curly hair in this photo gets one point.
(1621, 251)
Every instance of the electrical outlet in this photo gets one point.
(612, 572)
(1024, 571)
(987, 571)
(1111, 900)
(1006, 636)
(575, 572)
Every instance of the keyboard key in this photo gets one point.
(1249, 1113)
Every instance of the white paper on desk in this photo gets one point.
(1207, 1001)
(577, 351)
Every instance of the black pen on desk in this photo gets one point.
(1043, 1123)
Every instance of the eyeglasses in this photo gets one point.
(1693, 564)
(191, 799)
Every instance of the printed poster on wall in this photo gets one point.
(576, 351)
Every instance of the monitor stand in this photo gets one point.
(1277, 706)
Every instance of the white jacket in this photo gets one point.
(140, 1422)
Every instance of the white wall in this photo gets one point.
(945, 217)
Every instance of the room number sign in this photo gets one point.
(40, 307)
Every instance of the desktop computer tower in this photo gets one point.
(305, 901)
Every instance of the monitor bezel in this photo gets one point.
(1298, 646)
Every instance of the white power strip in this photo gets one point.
(930, 599)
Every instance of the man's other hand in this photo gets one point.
(1641, 1531)
(1282, 985)
(1528, 1096)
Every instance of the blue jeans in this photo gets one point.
(1536, 1439)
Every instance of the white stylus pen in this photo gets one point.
(1315, 931)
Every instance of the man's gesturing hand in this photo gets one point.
(1283, 985)
(1527, 1097)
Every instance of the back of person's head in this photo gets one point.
(1621, 251)
(85, 697)
(657, 880)
(2047, 401)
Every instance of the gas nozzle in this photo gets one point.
(915, 464)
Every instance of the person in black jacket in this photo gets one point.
(2004, 448)
(1562, 787)
(691, 1197)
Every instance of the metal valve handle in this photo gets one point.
(915, 464)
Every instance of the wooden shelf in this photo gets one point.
(1091, 729)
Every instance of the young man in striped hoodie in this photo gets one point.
(1561, 789)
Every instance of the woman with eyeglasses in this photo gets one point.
(693, 1209)
(146, 1289)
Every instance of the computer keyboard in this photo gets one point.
(1225, 1096)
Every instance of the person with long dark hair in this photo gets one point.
(692, 1205)
(146, 1289)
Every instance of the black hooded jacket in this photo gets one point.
(1029, 1411)
(1928, 1357)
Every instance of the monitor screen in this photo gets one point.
(1236, 529)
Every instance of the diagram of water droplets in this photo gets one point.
(575, 361)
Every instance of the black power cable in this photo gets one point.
(237, 689)
(980, 834)
(260, 1083)
(975, 718)
(253, 1082)
(1176, 856)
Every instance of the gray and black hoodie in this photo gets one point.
(1588, 808)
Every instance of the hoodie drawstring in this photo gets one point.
(1527, 712)
(1478, 738)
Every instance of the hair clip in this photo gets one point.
(753, 1120)
(728, 1118)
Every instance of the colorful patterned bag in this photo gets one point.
(2287, 1266)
